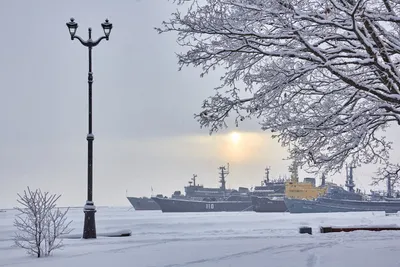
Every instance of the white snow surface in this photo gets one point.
(215, 239)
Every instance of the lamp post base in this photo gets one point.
(89, 228)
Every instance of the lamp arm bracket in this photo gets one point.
(98, 40)
(90, 43)
(85, 43)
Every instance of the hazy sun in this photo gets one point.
(235, 137)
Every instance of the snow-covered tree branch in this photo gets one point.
(322, 75)
(40, 224)
(390, 171)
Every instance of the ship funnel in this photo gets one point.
(323, 180)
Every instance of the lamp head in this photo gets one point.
(72, 27)
(107, 28)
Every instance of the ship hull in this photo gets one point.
(326, 205)
(265, 204)
(181, 205)
(140, 203)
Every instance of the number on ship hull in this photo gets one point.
(209, 206)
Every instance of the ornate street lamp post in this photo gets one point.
(89, 228)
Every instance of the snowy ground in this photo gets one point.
(216, 239)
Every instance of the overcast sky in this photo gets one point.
(145, 133)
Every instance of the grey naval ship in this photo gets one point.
(337, 199)
(269, 196)
(200, 199)
(193, 191)
(143, 203)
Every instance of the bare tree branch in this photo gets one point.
(323, 76)
(389, 171)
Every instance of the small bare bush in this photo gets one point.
(40, 224)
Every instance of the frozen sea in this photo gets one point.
(236, 239)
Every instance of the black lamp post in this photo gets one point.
(89, 229)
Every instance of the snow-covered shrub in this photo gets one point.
(40, 224)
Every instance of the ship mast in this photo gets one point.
(266, 175)
(389, 186)
(194, 179)
(293, 169)
(349, 179)
(224, 172)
